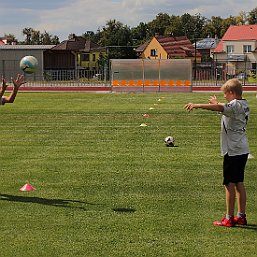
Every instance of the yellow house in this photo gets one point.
(168, 47)
(89, 57)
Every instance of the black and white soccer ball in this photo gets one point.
(169, 141)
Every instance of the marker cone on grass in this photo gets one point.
(250, 156)
(27, 188)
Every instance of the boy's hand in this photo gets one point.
(213, 100)
(189, 107)
(18, 81)
(4, 85)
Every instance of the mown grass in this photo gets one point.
(108, 187)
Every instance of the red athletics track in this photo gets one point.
(109, 89)
(217, 88)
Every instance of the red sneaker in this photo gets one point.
(225, 222)
(240, 220)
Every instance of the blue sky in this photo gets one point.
(62, 17)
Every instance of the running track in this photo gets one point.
(107, 89)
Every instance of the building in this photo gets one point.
(77, 57)
(168, 47)
(237, 50)
(206, 46)
(10, 56)
(7, 40)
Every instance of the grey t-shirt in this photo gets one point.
(233, 128)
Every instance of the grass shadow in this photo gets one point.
(64, 203)
(248, 226)
(124, 210)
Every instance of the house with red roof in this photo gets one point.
(168, 47)
(238, 49)
(6, 40)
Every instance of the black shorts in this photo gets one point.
(234, 168)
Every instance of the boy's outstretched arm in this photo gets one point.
(3, 87)
(16, 85)
(211, 107)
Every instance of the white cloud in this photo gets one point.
(62, 17)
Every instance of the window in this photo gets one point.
(230, 49)
(247, 48)
(84, 57)
(94, 58)
(154, 52)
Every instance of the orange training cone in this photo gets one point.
(27, 187)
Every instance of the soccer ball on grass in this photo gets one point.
(169, 141)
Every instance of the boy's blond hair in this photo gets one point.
(233, 85)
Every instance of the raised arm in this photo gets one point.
(213, 105)
(3, 87)
(16, 85)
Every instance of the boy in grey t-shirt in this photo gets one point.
(234, 148)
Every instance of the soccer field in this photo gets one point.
(106, 186)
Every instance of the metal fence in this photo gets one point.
(215, 73)
(147, 74)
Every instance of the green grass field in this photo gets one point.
(108, 187)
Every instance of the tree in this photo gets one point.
(115, 34)
(159, 24)
(55, 40)
(90, 35)
(35, 37)
(175, 28)
(192, 25)
(28, 33)
(214, 27)
(241, 18)
(117, 38)
(252, 17)
(10, 38)
(46, 38)
(140, 33)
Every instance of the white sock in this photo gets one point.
(228, 216)
(240, 214)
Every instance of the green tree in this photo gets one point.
(159, 24)
(10, 38)
(109, 33)
(55, 40)
(35, 37)
(46, 38)
(118, 40)
(214, 27)
(27, 32)
(192, 25)
(241, 18)
(252, 17)
(175, 27)
(140, 33)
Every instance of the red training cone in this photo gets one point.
(27, 187)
